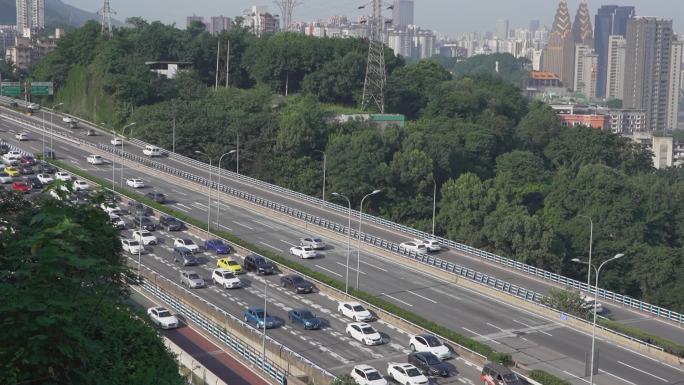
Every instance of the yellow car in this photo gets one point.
(12, 171)
(230, 265)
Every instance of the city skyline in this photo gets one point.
(479, 17)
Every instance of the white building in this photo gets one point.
(30, 16)
(675, 85)
(586, 63)
(260, 21)
(615, 79)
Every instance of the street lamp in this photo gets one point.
(358, 251)
(208, 190)
(593, 328)
(52, 113)
(263, 337)
(346, 279)
(591, 242)
(434, 206)
(218, 202)
(324, 161)
(123, 138)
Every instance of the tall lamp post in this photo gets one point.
(346, 278)
(591, 242)
(358, 251)
(208, 190)
(434, 206)
(263, 337)
(123, 138)
(324, 161)
(52, 128)
(218, 202)
(593, 327)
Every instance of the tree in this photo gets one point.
(567, 301)
(465, 204)
(338, 81)
(344, 379)
(408, 87)
(502, 65)
(538, 127)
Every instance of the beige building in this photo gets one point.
(674, 94)
(615, 79)
(559, 53)
(586, 63)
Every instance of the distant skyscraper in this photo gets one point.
(647, 76)
(675, 85)
(534, 26)
(559, 53)
(502, 29)
(30, 16)
(615, 79)
(190, 19)
(581, 29)
(611, 20)
(218, 24)
(402, 13)
(585, 70)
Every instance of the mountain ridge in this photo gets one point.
(57, 13)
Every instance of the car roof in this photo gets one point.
(365, 368)
(359, 324)
(189, 271)
(500, 369)
(222, 270)
(159, 308)
(350, 303)
(424, 354)
(255, 308)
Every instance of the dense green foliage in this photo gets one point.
(510, 69)
(568, 301)
(62, 298)
(509, 178)
(545, 378)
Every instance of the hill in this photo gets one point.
(57, 13)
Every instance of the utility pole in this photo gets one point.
(374, 84)
(218, 53)
(106, 12)
(227, 62)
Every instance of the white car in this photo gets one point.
(117, 221)
(95, 159)
(5, 178)
(44, 178)
(304, 252)
(135, 183)
(67, 119)
(430, 244)
(406, 374)
(313, 242)
(81, 185)
(110, 208)
(146, 237)
(21, 136)
(413, 246)
(63, 176)
(364, 333)
(116, 142)
(590, 302)
(355, 311)
(367, 375)
(12, 157)
(187, 243)
(431, 344)
(132, 246)
(162, 317)
(225, 278)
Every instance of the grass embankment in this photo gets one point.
(83, 96)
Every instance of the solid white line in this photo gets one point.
(533, 327)
(481, 336)
(619, 378)
(263, 224)
(226, 227)
(287, 243)
(199, 205)
(182, 205)
(377, 267)
(273, 247)
(179, 192)
(447, 294)
(182, 209)
(350, 268)
(418, 295)
(579, 378)
(496, 327)
(243, 225)
(643, 371)
(396, 299)
(328, 270)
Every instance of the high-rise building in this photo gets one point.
(674, 94)
(218, 24)
(585, 70)
(559, 54)
(501, 29)
(191, 19)
(615, 79)
(648, 72)
(402, 13)
(30, 16)
(260, 21)
(610, 20)
(581, 29)
(534, 26)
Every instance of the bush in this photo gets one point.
(668, 346)
(546, 378)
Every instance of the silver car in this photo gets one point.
(191, 279)
(312, 242)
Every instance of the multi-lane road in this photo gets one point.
(533, 340)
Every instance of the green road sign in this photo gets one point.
(41, 88)
(10, 89)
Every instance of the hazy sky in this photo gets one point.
(447, 16)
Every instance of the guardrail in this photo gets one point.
(540, 273)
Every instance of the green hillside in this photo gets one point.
(57, 13)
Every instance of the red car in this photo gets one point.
(28, 160)
(21, 187)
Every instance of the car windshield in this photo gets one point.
(259, 314)
(368, 330)
(193, 276)
(318, 240)
(188, 241)
(358, 308)
(233, 263)
(133, 243)
(431, 359)
(228, 275)
(307, 248)
(372, 376)
(306, 315)
(146, 234)
(164, 313)
(297, 279)
(412, 372)
(432, 341)
(218, 242)
(510, 378)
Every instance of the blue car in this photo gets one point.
(304, 318)
(256, 315)
(218, 246)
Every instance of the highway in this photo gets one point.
(536, 341)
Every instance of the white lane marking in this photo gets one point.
(350, 268)
(267, 245)
(287, 243)
(179, 192)
(619, 378)
(642, 371)
(532, 327)
(243, 225)
(199, 206)
(481, 336)
(418, 295)
(371, 265)
(447, 294)
(263, 224)
(182, 209)
(396, 299)
(182, 205)
(226, 227)
(577, 377)
(328, 270)
(496, 327)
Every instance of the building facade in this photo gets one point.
(615, 79)
(402, 13)
(674, 93)
(586, 62)
(559, 54)
(501, 29)
(30, 16)
(260, 21)
(626, 121)
(218, 24)
(610, 20)
(582, 30)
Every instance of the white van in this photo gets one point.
(152, 151)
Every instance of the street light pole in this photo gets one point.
(208, 191)
(593, 327)
(591, 242)
(324, 161)
(346, 278)
(218, 202)
(263, 339)
(358, 251)
(123, 138)
(434, 206)
(52, 128)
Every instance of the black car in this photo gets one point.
(137, 209)
(296, 283)
(26, 169)
(156, 196)
(184, 256)
(170, 223)
(259, 264)
(4, 148)
(45, 168)
(429, 364)
(145, 222)
(34, 183)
